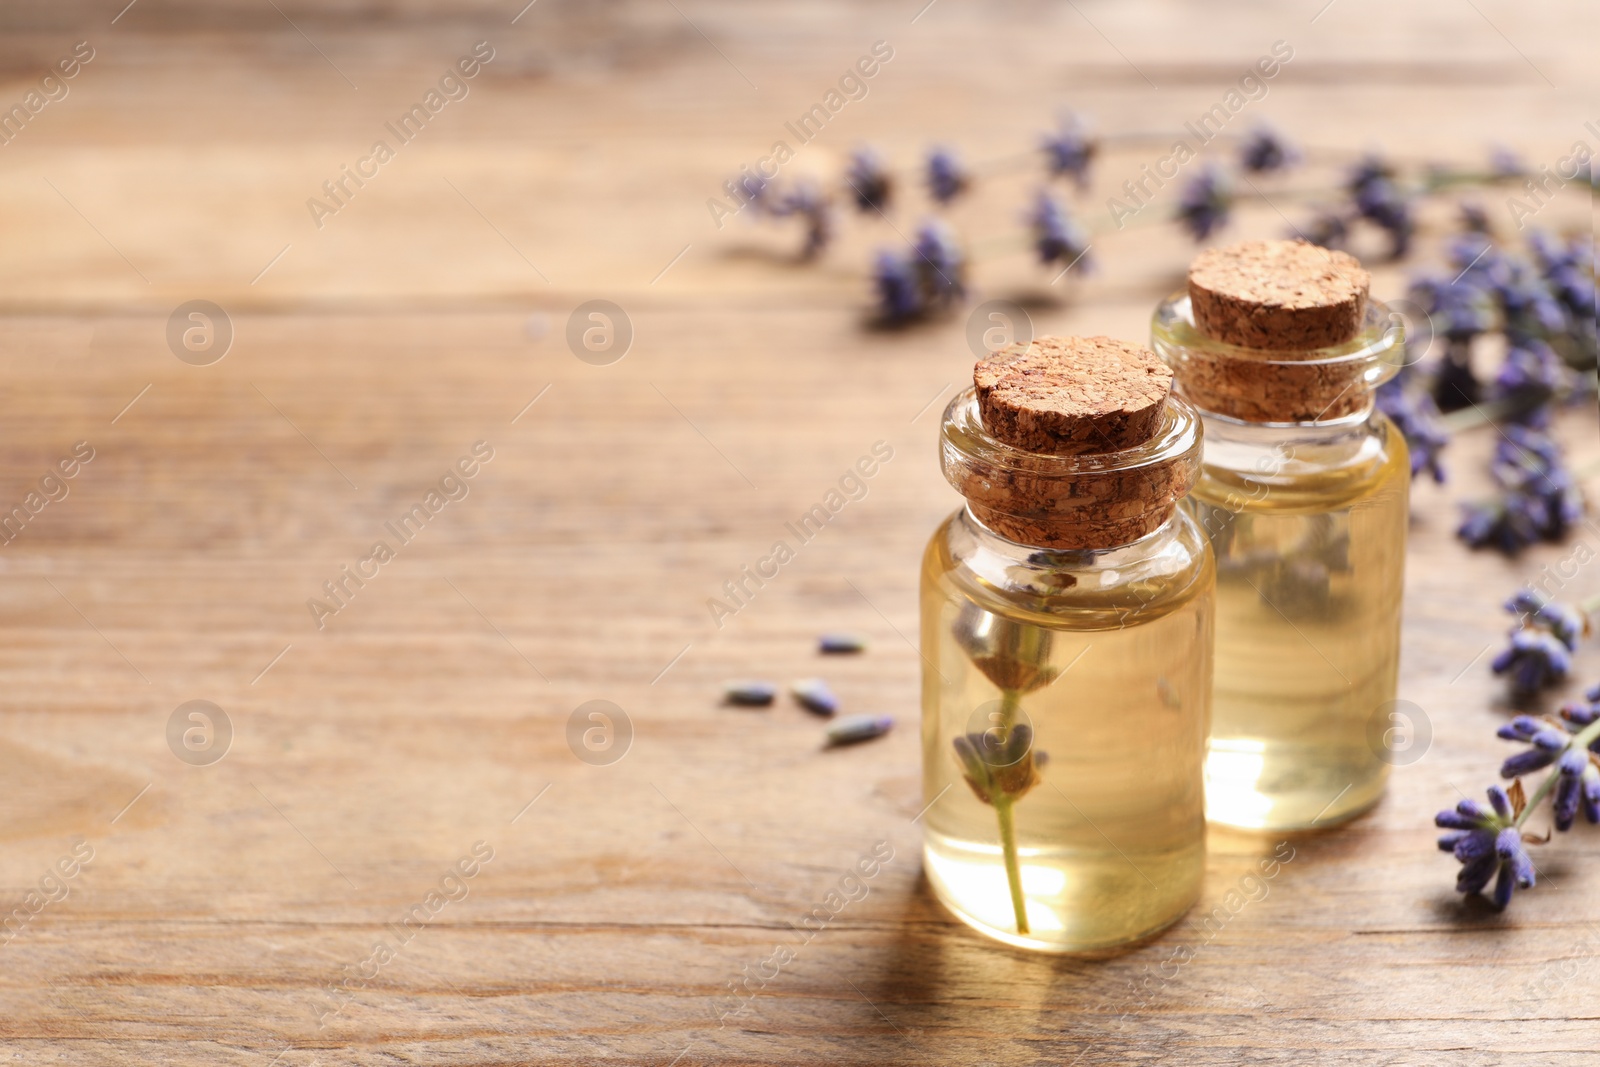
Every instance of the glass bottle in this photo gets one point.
(1066, 641)
(1303, 494)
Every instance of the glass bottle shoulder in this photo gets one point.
(1301, 469)
(1100, 589)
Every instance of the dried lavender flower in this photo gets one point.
(1205, 202)
(852, 729)
(1488, 843)
(947, 178)
(1529, 378)
(1417, 418)
(1069, 149)
(814, 695)
(1264, 151)
(1538, 497)
(899, 297)
(1056, 238)
(749, 694)
(941, 266)
(1535, 659)
(869, 180)
(1379, 199)
(841, 643)
(807, 201)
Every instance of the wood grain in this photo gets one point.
(225, 905)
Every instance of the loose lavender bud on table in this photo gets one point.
(815, 696)
(855, 728)
(750, 694)
(841, 643)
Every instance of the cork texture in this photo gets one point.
(1063, 401)
(1258, 391)
(1281, 295)
(1098, 512)
(1072, 395)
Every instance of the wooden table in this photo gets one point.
(230, 909)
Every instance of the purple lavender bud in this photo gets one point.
(814, 695)
(1379, 200)
(841, 643)
(1448, 842)
(941, 266)
(855, 728)
(1476, 874)
(1508, 846)
(1501, 802)
(1526, 763)
(899, 299)
(749, 694)
(947, 178)
(1569, 788)
(1581, 714)
(1056, 238)
(1592, 695)
(1328, 229)
(1522, 728)
(1475, 844)
(1205, 202)
(1591, 793)
(1451, 820)
(1416, 417)
(1471, 809)
(1535, 660)
(868, 180)
(1474, 219)
(1069, 149)
(1264, 151)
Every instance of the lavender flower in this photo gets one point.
(1069, 149)
(896, 281)
(1417, 418)
(1538, 497)
(1535, 659)
(811, 204)
(1568, 622)
(1056, 238)
(1205, 203)
(1474, 219)
(1379, 200)
(1328, 229)
(1580, 781)
(941, 266)
(947, 178)
(1547, 744)
(869, 181)
(1263, 151)
(1529, 378)
(1457, 309)
(998, 768)
(1488, 843)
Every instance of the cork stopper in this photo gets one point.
(1094, 460)
(1290, 301)
(1069, 395)
(1286, 296)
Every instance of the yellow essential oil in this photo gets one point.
(1066, 688)
(1306, 510)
